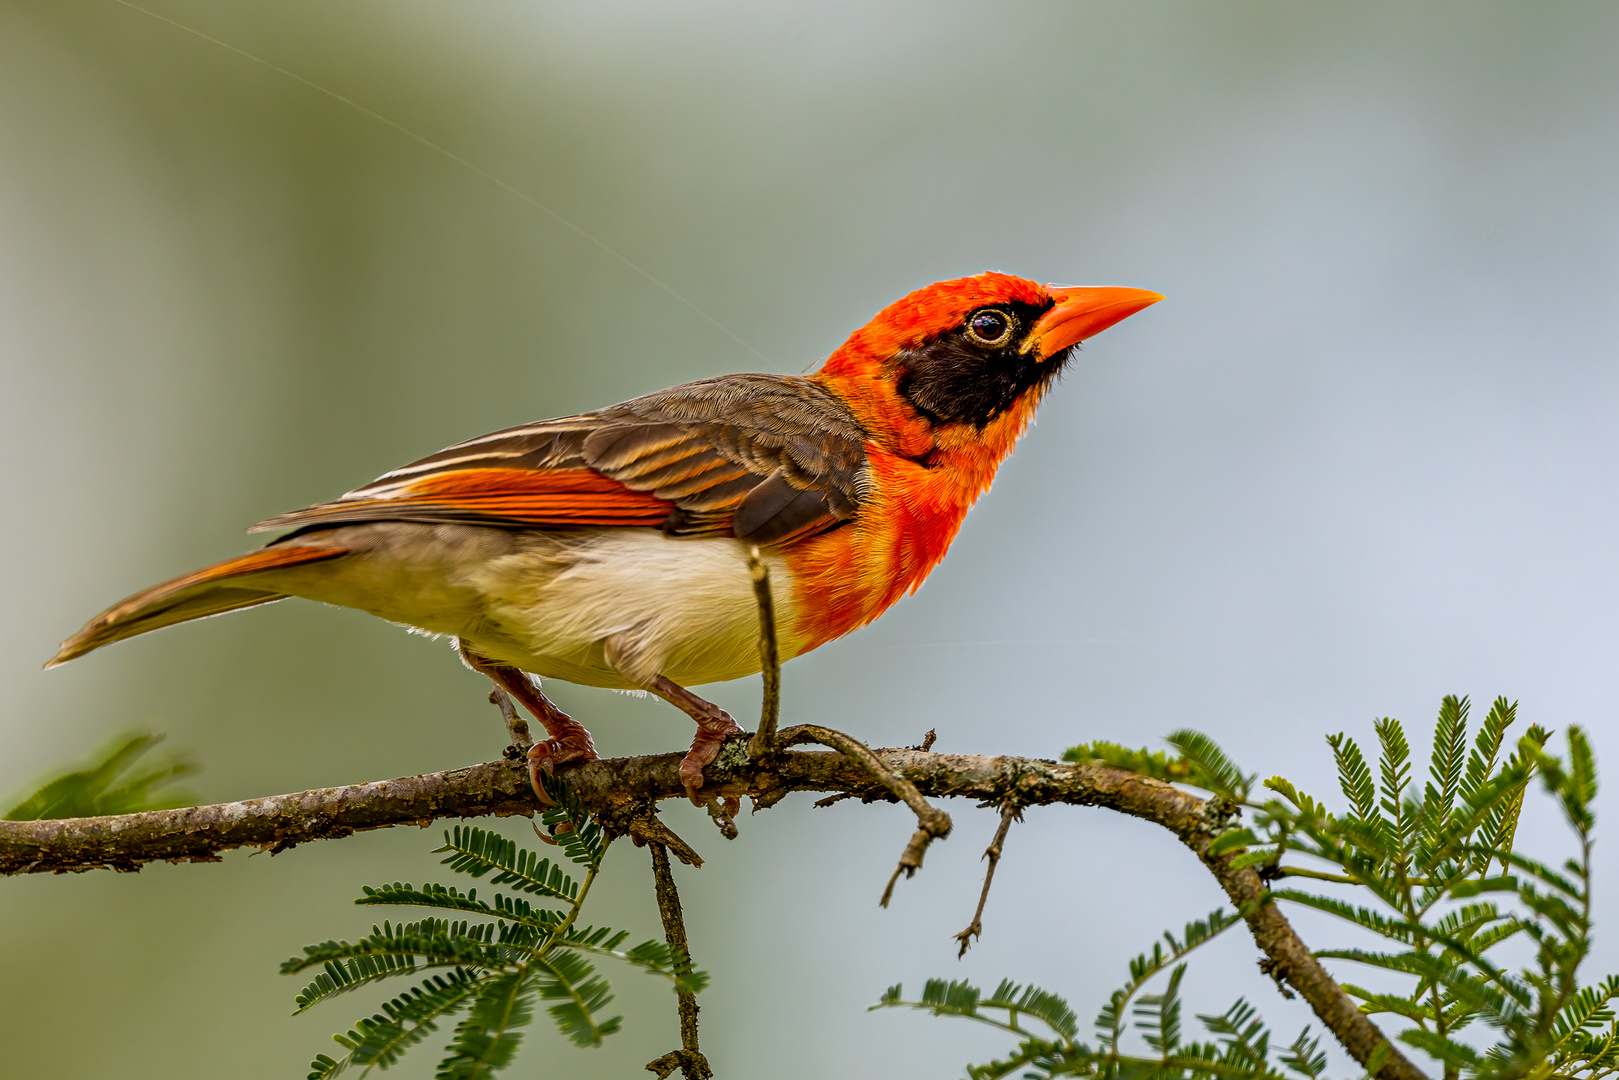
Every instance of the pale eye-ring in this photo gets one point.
(992, 327)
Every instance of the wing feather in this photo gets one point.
(766, 458)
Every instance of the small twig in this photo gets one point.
(645, 828)
(1267, 966)
(723, 813)
(688, 1059)
(931, 821)
(936, 821)
(516, 726)
(928, 740)
(769, 658)
(1009, 814)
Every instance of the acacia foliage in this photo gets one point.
(493, 974)
(1428, 876)
(115, 782)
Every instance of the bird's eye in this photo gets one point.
(991, 327)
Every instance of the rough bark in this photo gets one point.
(618, 789)
(689, 1058)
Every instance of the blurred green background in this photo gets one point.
(1365, 454)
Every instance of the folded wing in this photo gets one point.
(765, 458)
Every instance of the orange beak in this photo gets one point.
(1083, 311)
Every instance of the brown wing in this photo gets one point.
(765, 458)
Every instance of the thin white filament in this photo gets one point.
(464, 163)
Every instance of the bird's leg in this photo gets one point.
(713, 725)
(569, 741)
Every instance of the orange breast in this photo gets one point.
(915, 506)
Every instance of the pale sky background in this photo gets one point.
(1363, 456)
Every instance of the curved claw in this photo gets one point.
(547, 755)
(714, 725)
(712, 731)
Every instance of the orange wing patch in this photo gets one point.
(768, 459)
(505, 498)
(559, 497)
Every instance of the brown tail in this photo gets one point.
(208, 591)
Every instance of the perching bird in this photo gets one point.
(611, 548)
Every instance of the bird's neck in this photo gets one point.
(894, 427)
(923, 478)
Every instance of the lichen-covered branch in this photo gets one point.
(615, 788)
(275, 823)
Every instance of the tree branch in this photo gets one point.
(689, 1058)
(516, 726)
(1009, 814)
(612, 788)
(769, 657)
(931, 822)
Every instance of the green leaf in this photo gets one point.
(1256, 857)
(1406, 963)
(1110, 1021)
(477, 852)
(342, 976)
(1449, 1051)
(1211, 769)
(958, 996)
(1354, 778)
(574, 830)
(110, 784)
(1373, 1003)
(1394, 766)
(653, 957)
(1232, 840)
(1043, 1005)
(487, 1040)
(1394, 929)
(324, 1066)
(580, 994)
(1436, 813)
(1575, 786)
(1305, 1056)
(1501, 827)
(1449, 755)
(389, 951)
(1461, 890)
(405, 1021)
(1588, 1008)
(1487, 746)
(961, 998)
(1307, 806)
(1153, 763)
(508, 909)
(1243, 1034)
(1159, 1015)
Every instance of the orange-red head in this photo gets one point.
(969, 351)
(942, 382)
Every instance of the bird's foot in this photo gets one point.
(714, 725)
(568, 745)
(712, 732)
(569, 740)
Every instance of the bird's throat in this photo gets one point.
(920, 488)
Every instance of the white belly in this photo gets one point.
(601, 607)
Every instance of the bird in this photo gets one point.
(611, 548)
